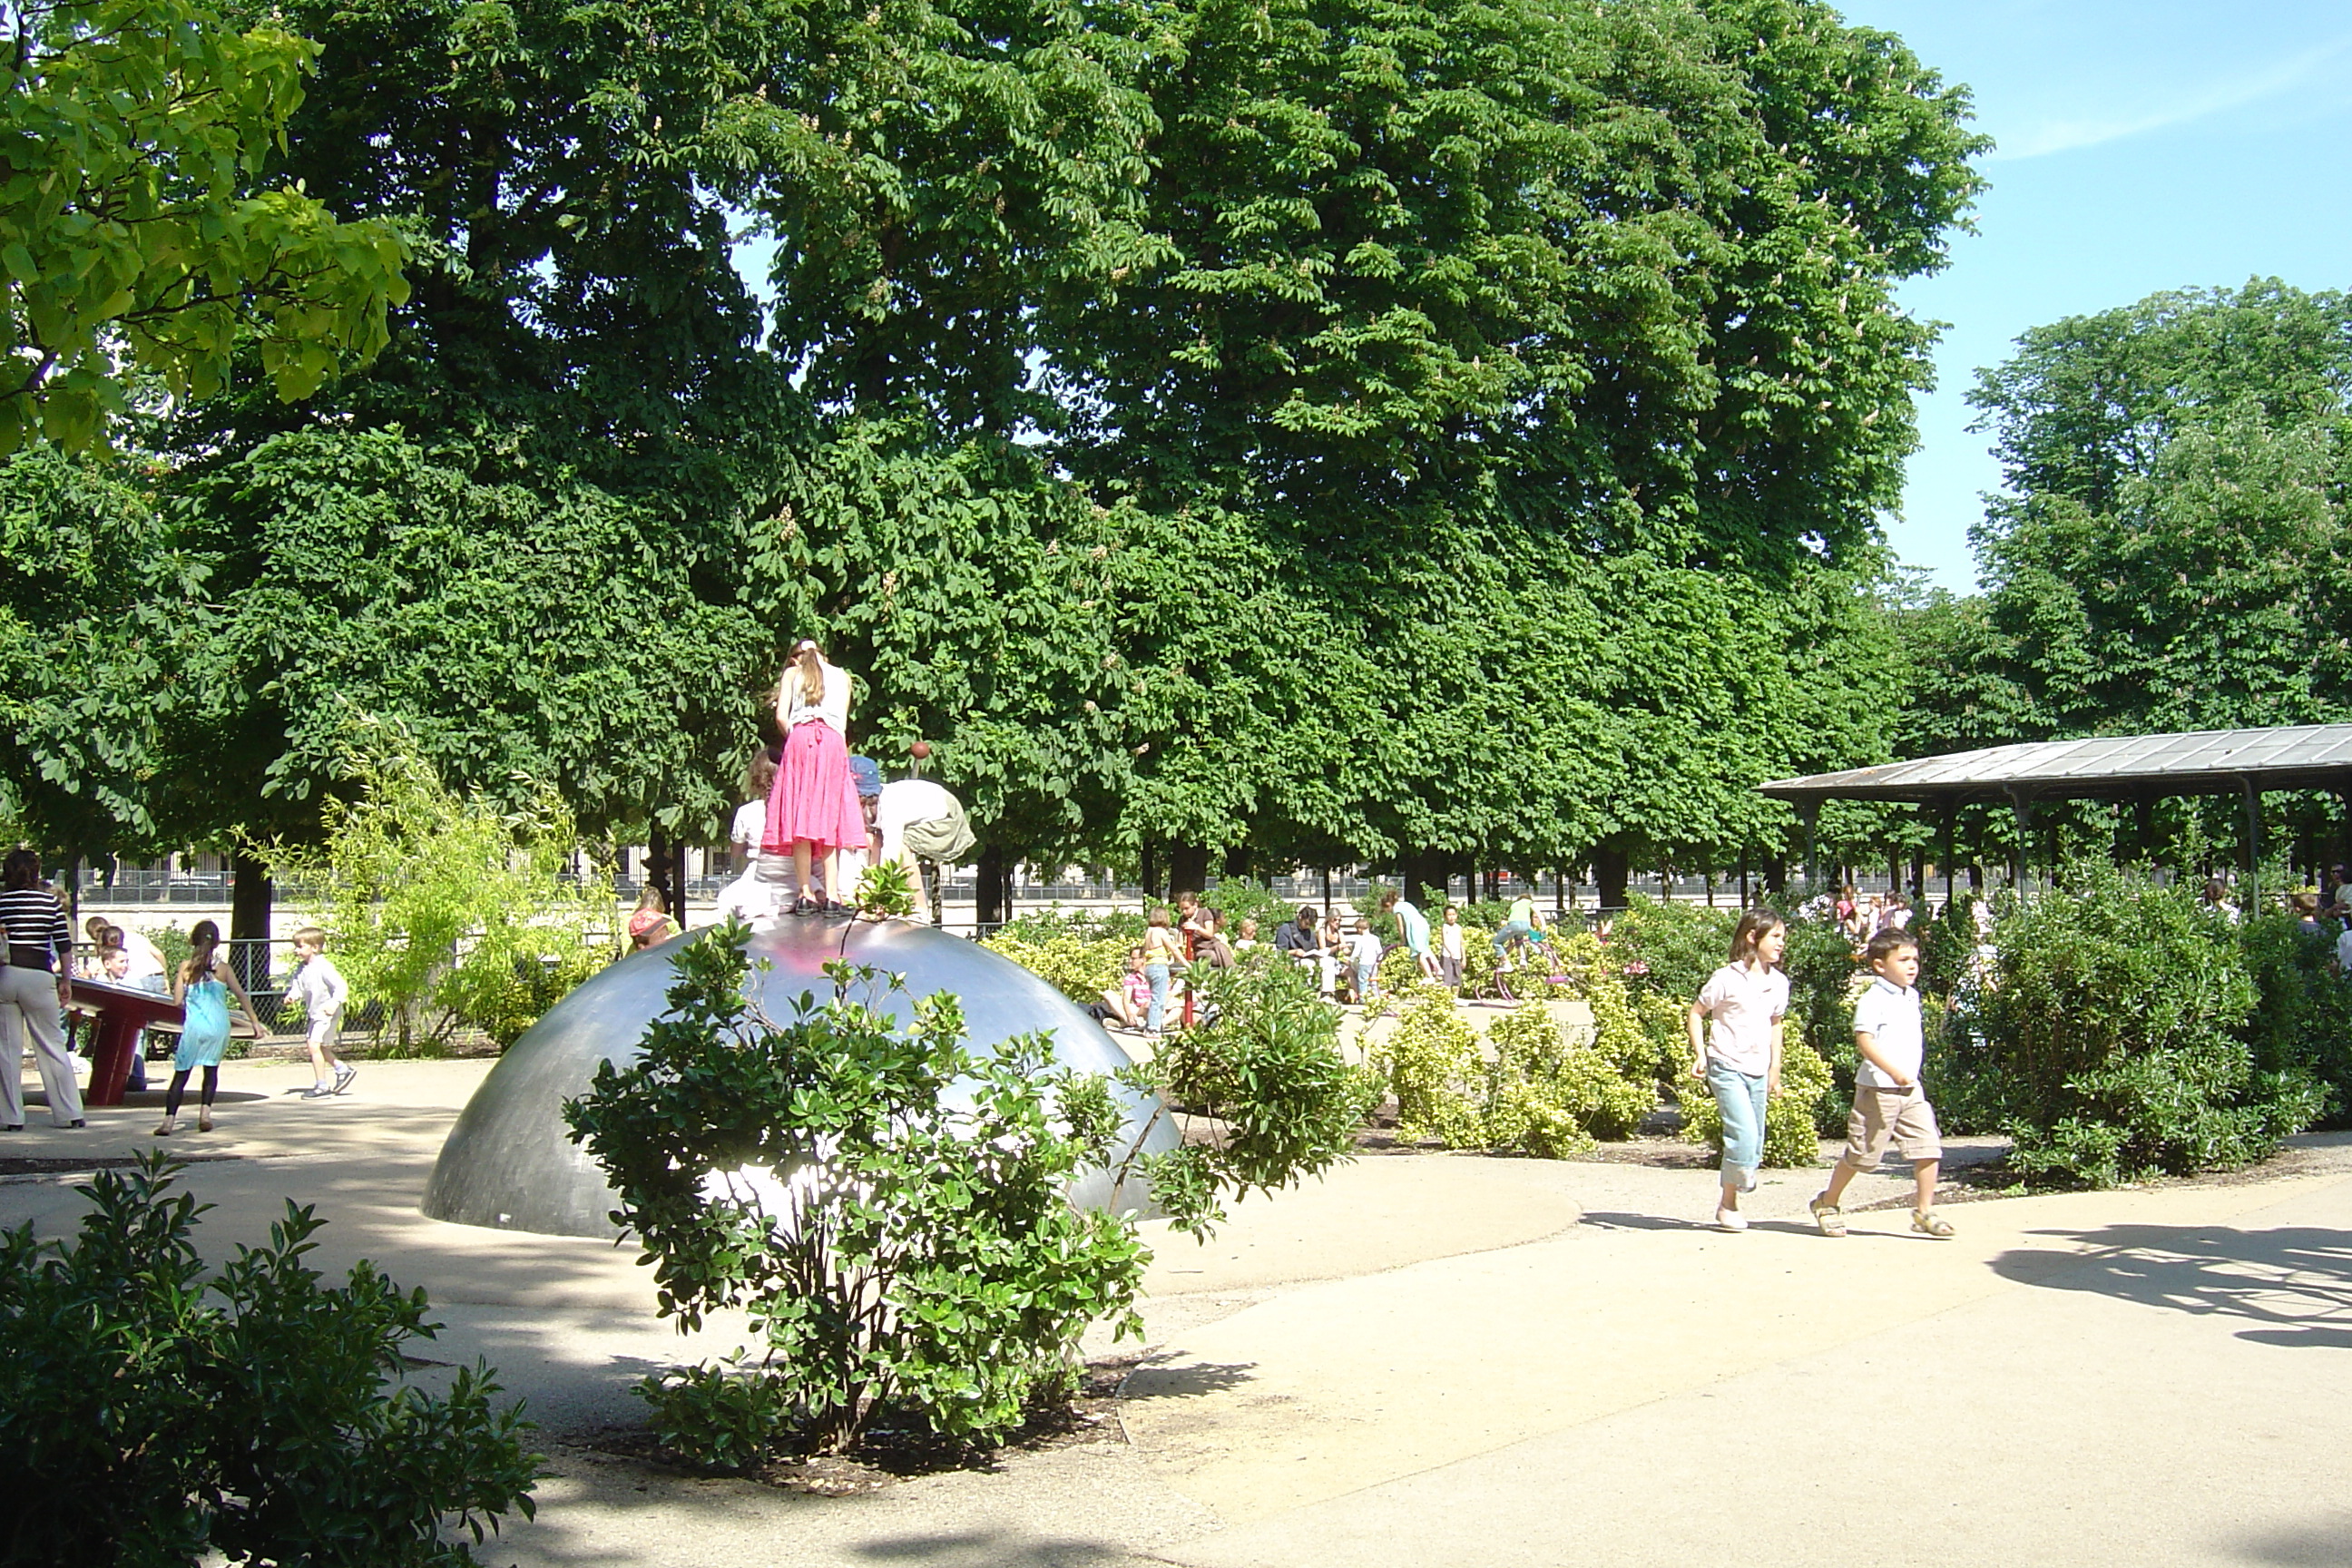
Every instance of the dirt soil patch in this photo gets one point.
(897, 1448)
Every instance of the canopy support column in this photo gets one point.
(2022, 804)
(1810, 814)
(2253, 844)
(1944, 852)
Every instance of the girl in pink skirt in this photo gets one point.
(813, 806)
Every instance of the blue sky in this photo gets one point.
(2142, 146)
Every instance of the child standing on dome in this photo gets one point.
(813, 807)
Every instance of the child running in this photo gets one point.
(1887, 1100)
(1739, 1058)
(203, 987)
(319, 986)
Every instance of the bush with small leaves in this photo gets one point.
(1264, 1066)
(1432, 1066)
(2118, 1025)
(892, 1242)
(1080, 967)
(152, 1415)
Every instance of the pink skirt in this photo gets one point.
(813, 798)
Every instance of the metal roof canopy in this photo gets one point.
(2201, 761)
(2243, 763)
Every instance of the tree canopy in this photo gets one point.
(2172, 538)
(139, 232)
(1421, 431)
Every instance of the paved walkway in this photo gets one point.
(1465, 1360)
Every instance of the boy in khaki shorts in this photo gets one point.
(1887, 1100)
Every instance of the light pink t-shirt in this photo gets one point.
(1743, 1004)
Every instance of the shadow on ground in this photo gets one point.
(1189, 1382)
(2292, 1285)
(987, 1549)
(2327, 1544)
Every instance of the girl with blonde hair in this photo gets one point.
(813, 806)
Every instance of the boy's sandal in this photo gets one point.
(1928, 1222)
(1827, 1216)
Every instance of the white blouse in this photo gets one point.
(792, 707)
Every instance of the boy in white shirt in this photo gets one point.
(1364, 954)
(1887, 1100)
(319, 986)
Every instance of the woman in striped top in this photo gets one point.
(33, 990)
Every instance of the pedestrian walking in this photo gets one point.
(1889, 1101)
(203, 988)
(33, 992)
(1734, 1038)
(321, 990)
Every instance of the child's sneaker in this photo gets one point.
(1730, 1220)
(344, 1073)
(1826, 1217)
(1928, 1222)
(318, 1091)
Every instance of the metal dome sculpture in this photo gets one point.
(509, 1162)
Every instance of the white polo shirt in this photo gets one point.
(1889, 1015)
(1743, 1004)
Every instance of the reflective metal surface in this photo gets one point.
(509, 1162)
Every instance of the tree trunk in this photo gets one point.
(1776, 875)
(1237, 862)
(987, 894)
(248, 920)
(657, 868)
(1188, 869)
(1148, 851)
(1422, 869)
(1609, 871)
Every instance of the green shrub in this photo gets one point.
(2118, 1030)
(2302, 1018)
(450, 910)
(1552, 1099)
(1040, 926)
(1431, 1063)
(1080, 968)
(1239, 899)
(918, 1253)
(1669, 949)
(1792, 1136)
(1265, 1065)
(151, 1415)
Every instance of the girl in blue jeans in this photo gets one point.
(1162, 950)
(1739, 1058)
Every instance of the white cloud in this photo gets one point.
(2058, 134)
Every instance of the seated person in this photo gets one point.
(1129, 1003)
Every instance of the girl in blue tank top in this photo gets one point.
(203, 987)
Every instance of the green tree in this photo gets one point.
(142, 228)
(2171, 528)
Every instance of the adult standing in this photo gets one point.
(813, 806)
(1412, 929)
(33, 992)
(1739, 1057)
